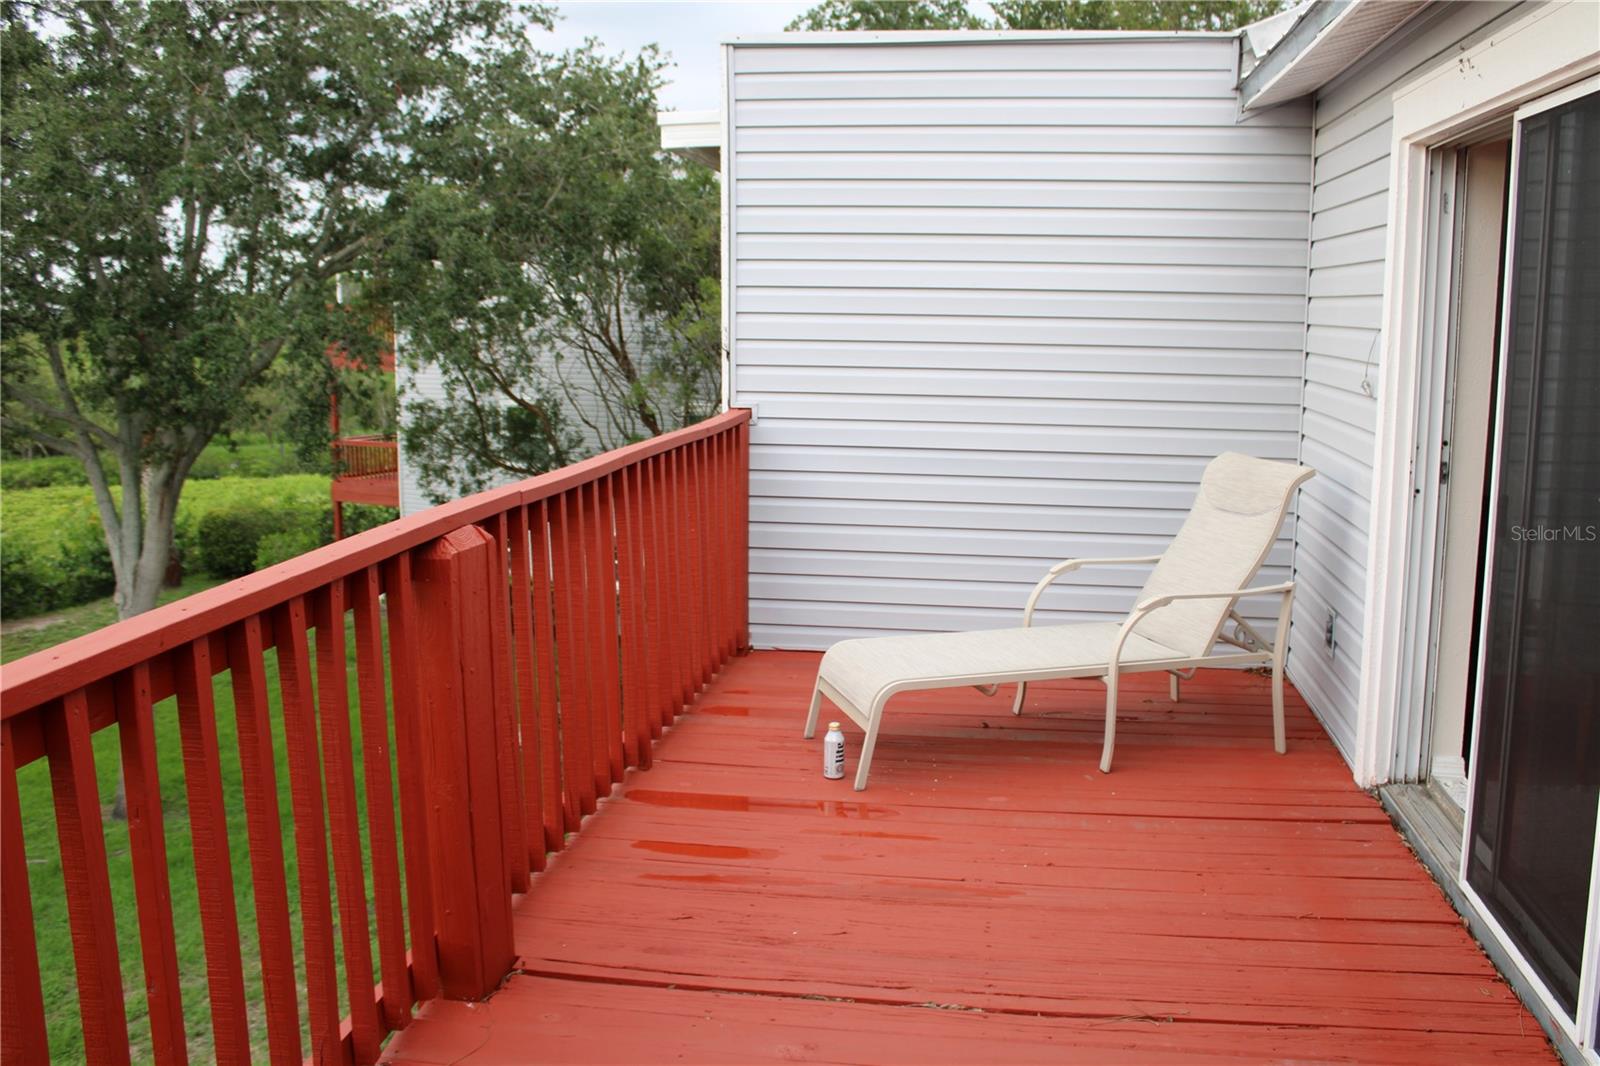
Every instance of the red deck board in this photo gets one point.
(991, 897)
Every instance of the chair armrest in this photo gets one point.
(1067, 566)
(1235, 594)
(1140, 611)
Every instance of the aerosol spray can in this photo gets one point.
(833, 752)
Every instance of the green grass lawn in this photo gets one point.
(49, 903)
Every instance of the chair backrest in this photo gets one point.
(1229, 531)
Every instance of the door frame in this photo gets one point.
(1512, 63)
(1581, 1025)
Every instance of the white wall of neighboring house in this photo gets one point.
(1349, 237)
(995, 304)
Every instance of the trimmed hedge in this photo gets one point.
(219, 460)
(41, 473)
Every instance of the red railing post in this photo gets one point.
(455, 595)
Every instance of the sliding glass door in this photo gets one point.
(1536, 767)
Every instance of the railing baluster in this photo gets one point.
(650, 562)
(524, 659)
(678, 520)
(87, 880)
(22, 1031)
(404, 656)
(257, 763)
(576, 764)
(370, 691)
(698, 503)
(609, 756)
(213, 866)
(635, 719)
(344, 821)
(505, 707)
(544, 633)
(148, 849)
(715, 528)
(592, 620)
(310, 834)
(741, 532)
(728, 553)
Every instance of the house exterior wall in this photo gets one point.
(1350, 210)
(996, 304)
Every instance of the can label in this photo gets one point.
(833, 755)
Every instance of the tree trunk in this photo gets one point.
(141, 545)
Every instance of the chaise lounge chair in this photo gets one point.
(1175, 625)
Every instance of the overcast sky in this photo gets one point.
(688, 30)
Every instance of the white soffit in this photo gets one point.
(695, 135)
(1353, 30)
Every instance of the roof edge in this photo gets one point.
(880, 37)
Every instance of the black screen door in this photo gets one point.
(1537, 765)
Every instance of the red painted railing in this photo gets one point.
(369, 456)
(525, 646)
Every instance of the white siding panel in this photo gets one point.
(1348, 244)
(996, 304)
(1229, 140)
(795, 248)
(1023, 166)
(1010, 57)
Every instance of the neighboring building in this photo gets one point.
(597, 424)
(995, 299)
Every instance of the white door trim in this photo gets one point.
(1531, 56)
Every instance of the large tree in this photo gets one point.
(560, 279)
(1130, 14)
(889, 15)
(1036, 15)
(181, 183)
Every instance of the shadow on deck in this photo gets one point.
(990, 898)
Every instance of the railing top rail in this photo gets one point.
(54, 672)
(366, 440)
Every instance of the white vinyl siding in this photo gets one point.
(1350, 211)
(996, 304)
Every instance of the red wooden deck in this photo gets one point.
(990, 898)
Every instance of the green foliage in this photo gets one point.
(34, 583)
(220, 459)
(889, 15)
(183, 182)
(228, 539)
(1131, 14)
(41, 473)
(555, 252)
(1037, 15)
(282, 545)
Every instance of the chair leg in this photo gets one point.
(864, 761)
(1111, 722)
(1280, 742)
(816, 709)
(1172, 686)
(1022, 694)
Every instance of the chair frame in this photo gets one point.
(1254, 650)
